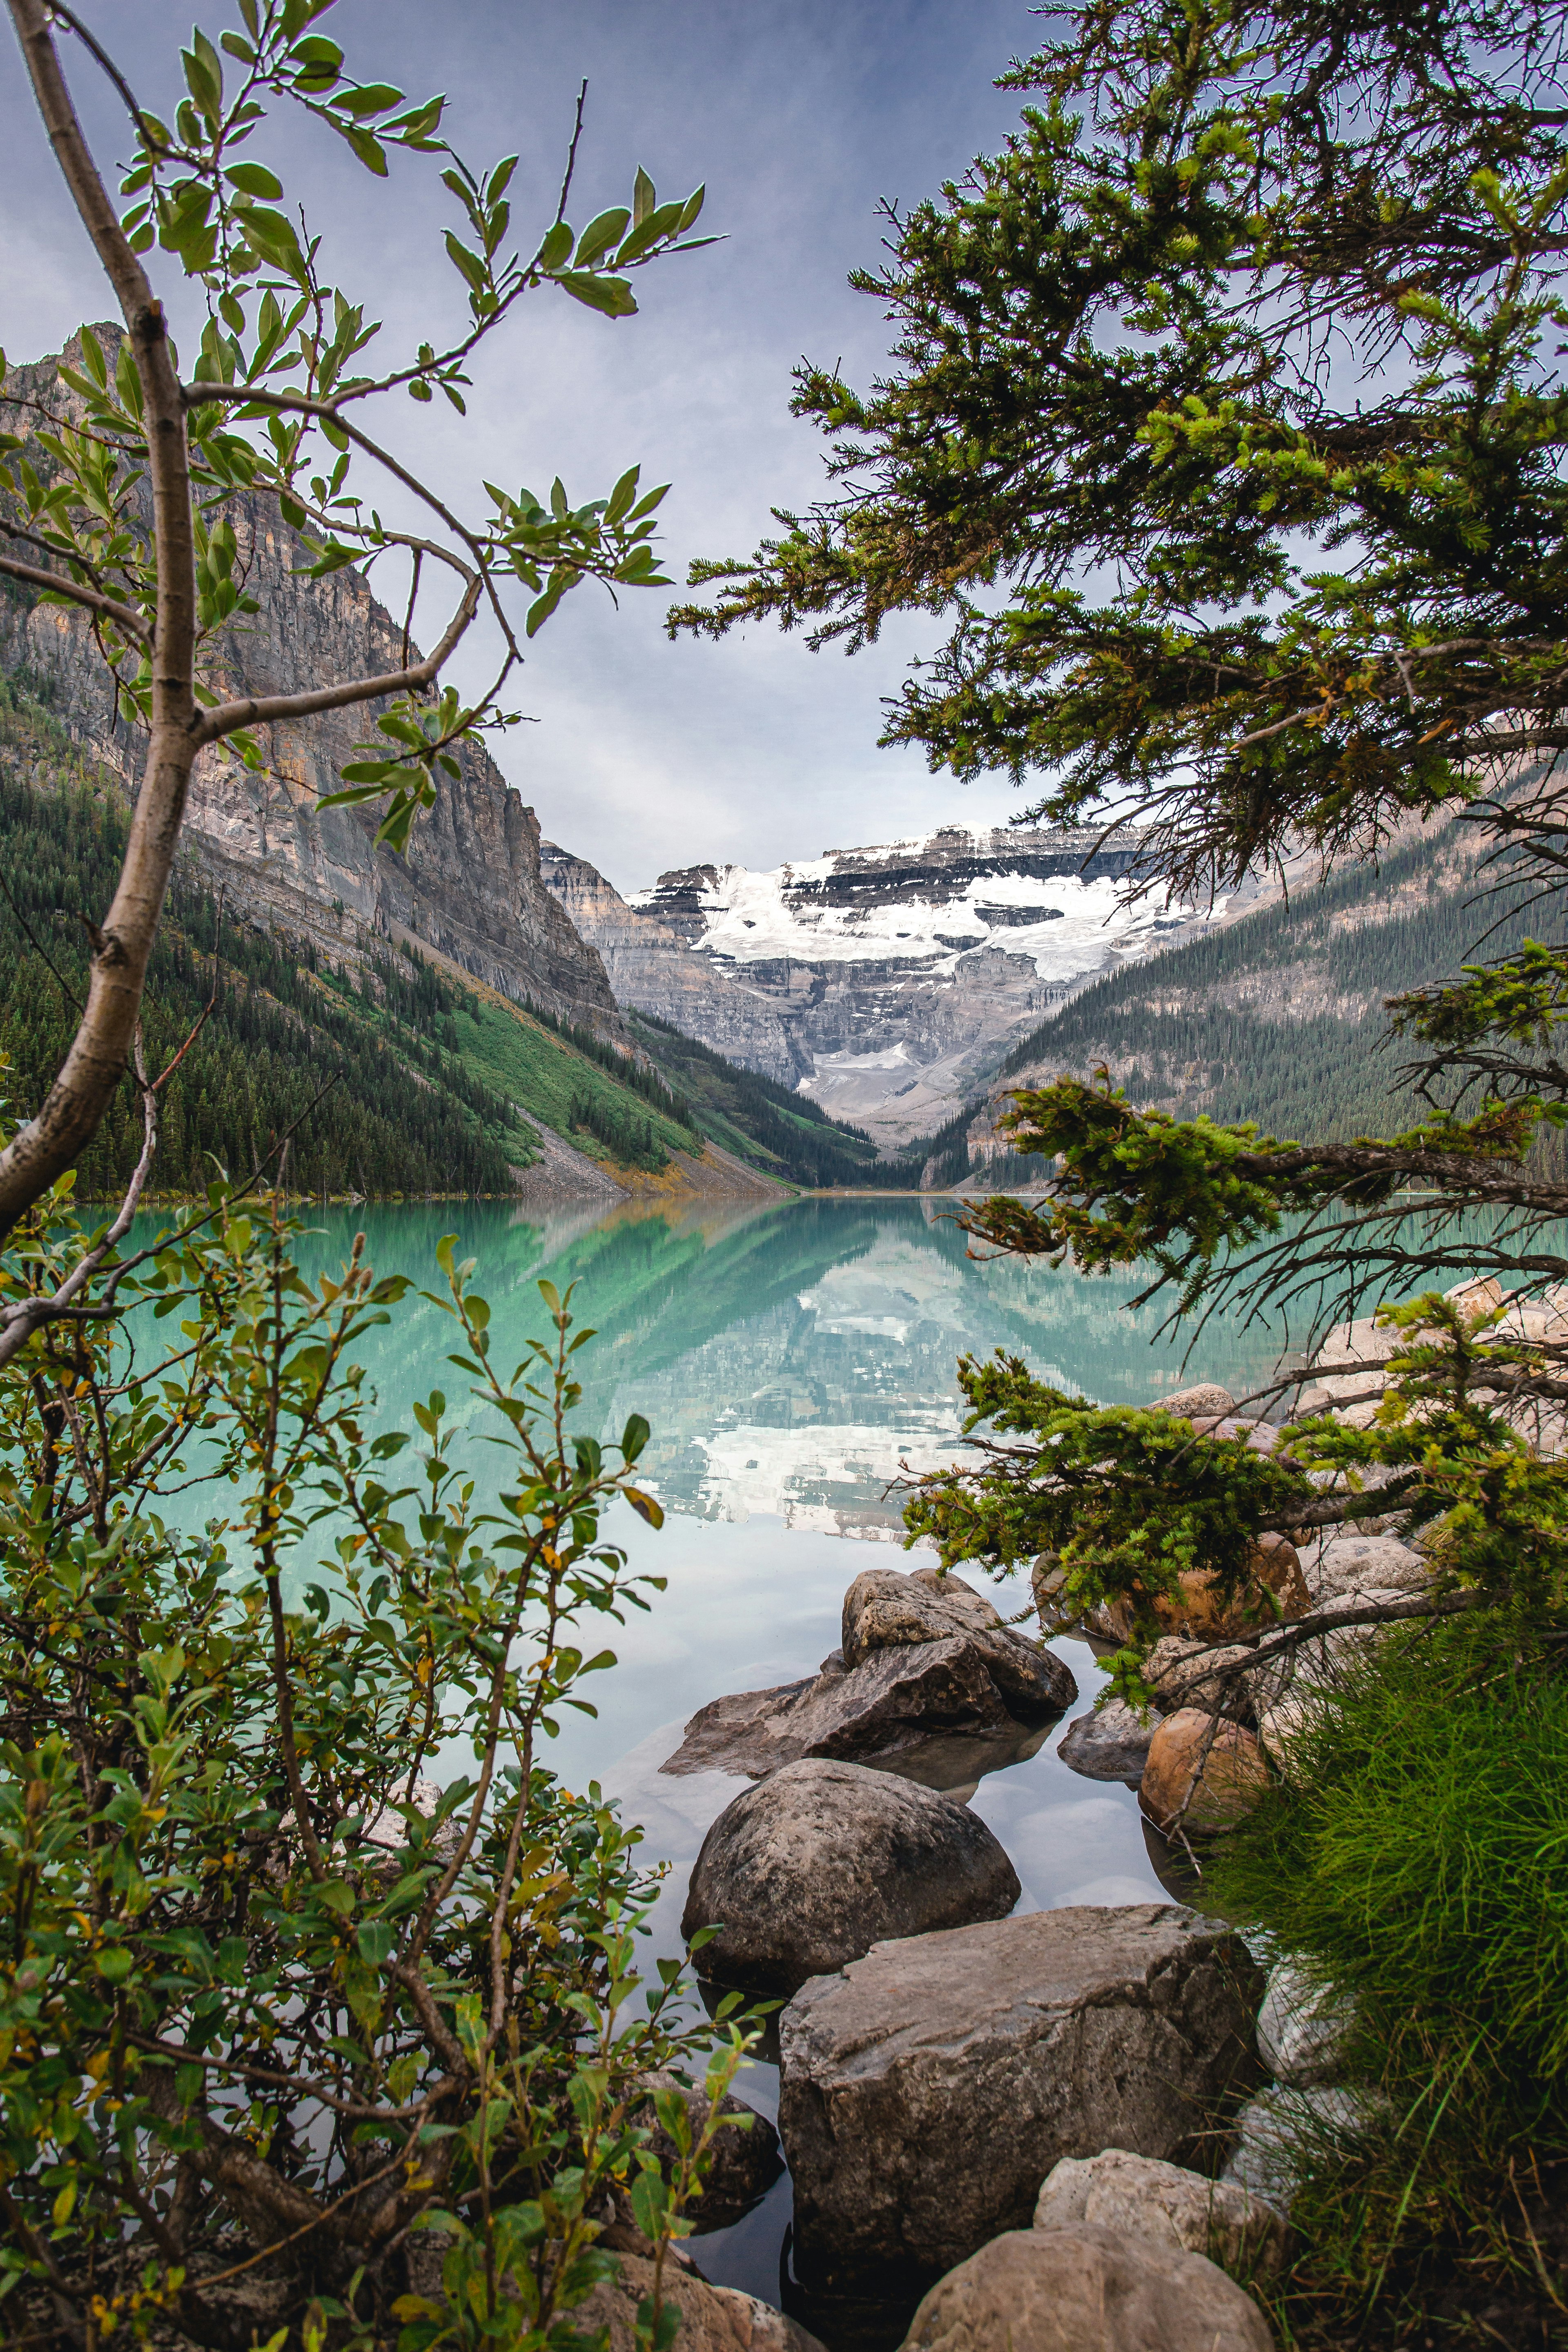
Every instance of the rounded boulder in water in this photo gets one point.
(807, 1871)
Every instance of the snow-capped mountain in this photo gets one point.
(883, 982)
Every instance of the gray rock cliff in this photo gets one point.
(469, 888)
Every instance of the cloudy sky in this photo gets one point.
(798, 117)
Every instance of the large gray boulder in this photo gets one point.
(884, 1609)
(893, 1701)
(929, 2088)
(815, 1865)
(1354, 1563)
(1087, 2290)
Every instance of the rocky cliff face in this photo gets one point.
(886, 982)
(469, 888)
(651, 966)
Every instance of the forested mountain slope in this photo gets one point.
(398, 1075)
(1279, 1018)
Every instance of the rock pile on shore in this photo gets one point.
(1020, 2113)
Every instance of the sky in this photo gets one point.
(799, 117)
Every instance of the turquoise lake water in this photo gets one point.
(787, 1359)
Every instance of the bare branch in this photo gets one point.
(269, 710)
(123, 615)
(104, 1039)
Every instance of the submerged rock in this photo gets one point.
(1142, 2196)
(1086, 2290)
(886, 1610)
(928, 2089)
(1112, 1743)
(746, 2158)
(812, 1867)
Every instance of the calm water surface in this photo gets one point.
(787, 1359)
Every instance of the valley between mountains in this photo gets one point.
(489, 1014)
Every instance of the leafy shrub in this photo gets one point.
(272, 2010)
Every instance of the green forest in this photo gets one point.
(400, 1081)
(1378, 930)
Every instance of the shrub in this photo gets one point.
(271, 2010)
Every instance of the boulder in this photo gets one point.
(896, 1698)
(1301, 2028)
(1086, 2290)
(1184, 1673)
(746, 2158)
(1318, 1664)
(1354, 1563)
(713, 2319)
(1110, 1743)
(1203, 1772)
(1277, 2130)
(1140, 2196)
(886, 1610)
(815, 1865)
(927, 2089)
(1282, 1729)
(1205, 1402)
(1200, 1608)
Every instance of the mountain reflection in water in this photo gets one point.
(788, 1359)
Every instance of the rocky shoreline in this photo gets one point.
(1050, 2128)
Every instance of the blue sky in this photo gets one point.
(799, 117)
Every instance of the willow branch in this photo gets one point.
(94, 601)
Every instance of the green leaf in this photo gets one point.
(471, 264)
(255, 179)
(623, 494)
(643, 197)
(366, 146)
(377, 1939)
(613, 296)
(607, 230)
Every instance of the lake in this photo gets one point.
(787, 1358)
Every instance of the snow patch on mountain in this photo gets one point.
(1064, 924)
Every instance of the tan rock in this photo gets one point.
(1203, 1772)
(1184, 1673)
(1206, 1402)
(1142, 2196)
(1202, 1610)
(1086, 2290)
(713, 2319)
